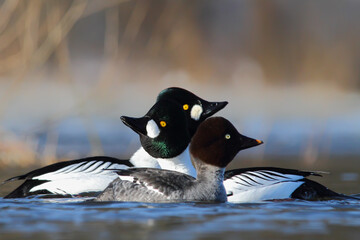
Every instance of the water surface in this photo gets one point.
(76, 219)
(73, 218)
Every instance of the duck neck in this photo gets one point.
(210, 181)
(209, 173)
(181, 163)
(143, 159)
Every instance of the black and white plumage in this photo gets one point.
(213, 146)
(70, 178)
(242, 185)
(270, 183)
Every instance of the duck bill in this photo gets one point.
(136, 124)
(210, 108)
(249, 142)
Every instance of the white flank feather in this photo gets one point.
(261, 185)
(75, 179)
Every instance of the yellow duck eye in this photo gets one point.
(227, 136)
(163, 123)
(185, 107)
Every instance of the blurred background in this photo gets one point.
(289, 69)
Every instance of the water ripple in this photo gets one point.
(41, 218)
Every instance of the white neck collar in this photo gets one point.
(181, 163)
(143, 159)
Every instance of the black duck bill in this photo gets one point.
(136, 124)
(210, 108)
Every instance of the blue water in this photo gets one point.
(75, 219)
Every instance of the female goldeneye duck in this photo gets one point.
(212, 148)
(86, 177)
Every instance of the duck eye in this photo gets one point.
(227, 136)
(163, 123)
(185, 107)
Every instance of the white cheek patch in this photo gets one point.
(152, 129)
(196, 112)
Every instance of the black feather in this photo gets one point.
(231, 173)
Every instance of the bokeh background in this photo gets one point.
(289, 69)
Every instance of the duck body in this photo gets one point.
(158, 185)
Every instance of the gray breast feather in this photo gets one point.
(147, 185)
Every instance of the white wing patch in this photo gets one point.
(152, 129)
(261, 185)
(79, 178)
(196, 112)
(81, 169)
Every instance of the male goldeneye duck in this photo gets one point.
(86, 177)
(214, 145)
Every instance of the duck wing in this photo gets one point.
(75, 177)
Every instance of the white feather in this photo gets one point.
(196, 112)
(280, 190)
(89, 176)
(152, 129)
(142, 159)
(261, 185)
(181, 163)
(72, 180)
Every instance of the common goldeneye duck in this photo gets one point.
(86, 177)
(214, 145)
